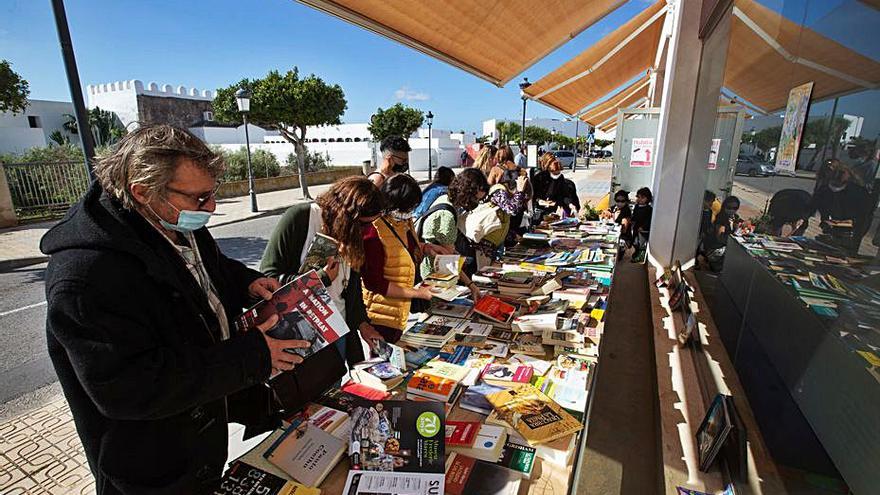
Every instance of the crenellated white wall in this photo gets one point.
(121, 96)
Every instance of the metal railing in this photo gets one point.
(45, 189)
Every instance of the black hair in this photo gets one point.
(728, 201)
(402, 193)
(622, 194)
(709, 197)
(646, 193)
(444, 176)
(394, 144)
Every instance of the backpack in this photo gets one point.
(438, 207)
(486, 222)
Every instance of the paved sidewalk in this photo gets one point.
(19, 246)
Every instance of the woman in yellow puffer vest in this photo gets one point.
(392, 256)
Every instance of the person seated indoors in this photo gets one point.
(340, 213)
(395, 159)
(727, 222)
(641, 223)
(392, 255)
(439, 224)
(840, 199)
(560, 193)
(434, 190)
(621, 214)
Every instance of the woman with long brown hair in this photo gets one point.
(339, 213)
(513, 197)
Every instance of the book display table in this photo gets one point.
(560, 276)
(800, 321)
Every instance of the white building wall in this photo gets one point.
(230, 135)
(121, 96)
(16, 135)
(563, 126)
(855, 127)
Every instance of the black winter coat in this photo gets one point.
(138, 352)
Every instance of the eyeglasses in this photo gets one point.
(201, 199)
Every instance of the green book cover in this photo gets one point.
(517, 457)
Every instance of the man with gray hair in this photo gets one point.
(140, 305)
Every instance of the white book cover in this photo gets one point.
(308, 454)
(393, 483)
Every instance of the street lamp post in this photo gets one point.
(552, 137)
(522, 94)
(243, 99)
(430, 120)
(577, 122)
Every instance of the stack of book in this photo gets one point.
(435, 332)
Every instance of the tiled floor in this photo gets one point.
(40, 453)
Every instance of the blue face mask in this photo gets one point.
(187, 220)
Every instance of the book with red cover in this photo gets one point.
(305, 312)
(495, 309)
(507, 375)
(466, 475)
(461, 433)
(364, 391)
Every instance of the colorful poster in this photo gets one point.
(642, 152)
(790, 139)
(713, 154)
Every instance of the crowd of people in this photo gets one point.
(141, 301)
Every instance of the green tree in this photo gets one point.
(564, 141)
(14, 90)
(315, 161)
(398, 120)
(537, 135)
(106, 127)
(287, 103)
(508, 131)
(263, 162)
(601, 143)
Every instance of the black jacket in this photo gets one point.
(282, 259)
(138, 352)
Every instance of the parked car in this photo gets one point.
(753, 166)
(600, 154)
(566, 158)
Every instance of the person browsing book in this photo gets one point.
(439, 225)
(340, 214)
(140, 300)
(557, 192)
(392, 256)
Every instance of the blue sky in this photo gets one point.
(208, 44)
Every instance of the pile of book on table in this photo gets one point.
(474, 395)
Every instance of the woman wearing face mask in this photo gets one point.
(392, 256)
(559, 192)
(340, 213)
(839, 199)
(642, 212)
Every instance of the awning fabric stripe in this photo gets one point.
(608, 64)
(769, 54)
(492, 40)
(622, 99)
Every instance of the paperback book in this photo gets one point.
(244, 479)
(495, 309)
(487, 445)
(474, 398)
(305, 312)
(322, 247)
(507, 375)
(307, 453)
(393, 483)
(398, 436)
(533, 415)
(467, 475)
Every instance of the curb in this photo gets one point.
(13, 264)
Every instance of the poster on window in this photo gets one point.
(792, 125)
(713, 154)
(642, 152)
